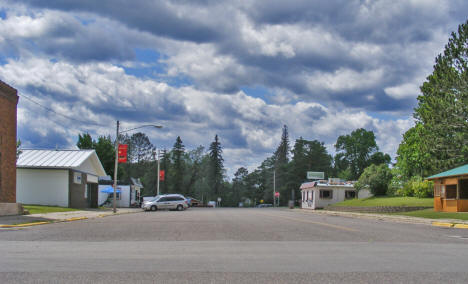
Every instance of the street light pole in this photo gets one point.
(274, 187)
(115, 166)
(159, 173)
(117, 157)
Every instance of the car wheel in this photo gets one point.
(180, 207)
(154, 208)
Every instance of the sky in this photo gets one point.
(238, 69)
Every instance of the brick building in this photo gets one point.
(8, 103)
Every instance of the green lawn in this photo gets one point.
(387, 201)
(431, 214)
(38, 209)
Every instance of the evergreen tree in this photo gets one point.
(442, 113)
(141, 149)
(165, 165)
(193, 169)
(307, 156)
(216, 166)
(85, 141)
(281, 157)
(178, 151)
(106, 152)
(239, 185)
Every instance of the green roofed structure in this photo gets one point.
(451, 190)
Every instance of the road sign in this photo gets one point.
(219, 199)
(277, 194)
(315, 175)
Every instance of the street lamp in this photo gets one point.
(117, 155)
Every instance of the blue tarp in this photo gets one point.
(109, 189)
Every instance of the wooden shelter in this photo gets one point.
(451, 190)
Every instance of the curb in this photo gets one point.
(400, 219)
(24, 225)
(442, 224)
(450, 225)
(63, 220)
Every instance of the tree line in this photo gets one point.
(437, 142)
(200, 172)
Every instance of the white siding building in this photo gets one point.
(66, 178)
(320, 194)
(129, 195)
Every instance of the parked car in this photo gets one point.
(192, 202)
(211, 204)
(166, 202)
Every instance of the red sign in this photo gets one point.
(122, 153)
(276, 194)
(161, 175)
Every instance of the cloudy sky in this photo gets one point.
(239, 69)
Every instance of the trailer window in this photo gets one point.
(326, 194)
(349, 194)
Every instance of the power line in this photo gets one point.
(65, 116)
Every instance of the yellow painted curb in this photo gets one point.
(24, 225)
(76, 219)
(461, 226)
(440, 224)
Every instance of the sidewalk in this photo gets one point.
(393, 218)
(64, 216)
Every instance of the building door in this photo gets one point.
(92, 195)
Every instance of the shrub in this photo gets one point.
(377, 178)
(417, 187)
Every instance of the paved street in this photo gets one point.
(233, 245)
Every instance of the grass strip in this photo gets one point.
(40, 209)
(431, 214)
(387, 201)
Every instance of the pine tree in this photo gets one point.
(85, 141)
(442, 109)
(281, 157)
(178, 151)
(217, 167)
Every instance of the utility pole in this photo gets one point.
(274, 187)
(159, 172)
(115, 166)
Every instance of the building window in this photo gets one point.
(117, 196)
(463, 188)
(439, 190)
(349, 194)
(451, 191)
(326, 194)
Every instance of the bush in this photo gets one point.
(417, 187)
(377, 178)
(396, 183)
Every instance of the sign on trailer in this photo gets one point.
(315, 175)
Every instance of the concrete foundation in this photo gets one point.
(8, 209)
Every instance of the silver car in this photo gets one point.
(166, 202)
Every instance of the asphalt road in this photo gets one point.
(262, 245)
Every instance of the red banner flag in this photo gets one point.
(161, 175)
(122, 153)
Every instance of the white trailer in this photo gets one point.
(320, 194)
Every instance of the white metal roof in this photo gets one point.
(60, 159)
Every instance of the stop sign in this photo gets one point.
(277, 194)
